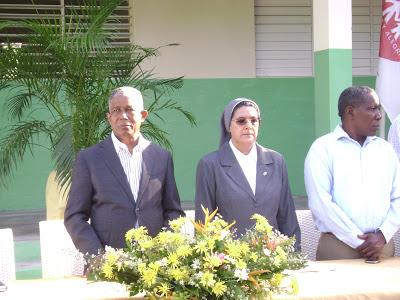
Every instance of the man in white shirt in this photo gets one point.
(122, 182)
(394, 135)
(352, 180)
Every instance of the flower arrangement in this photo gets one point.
(213, 264)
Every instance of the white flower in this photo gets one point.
(191, 282)
(129, 264)
(224, 234)
(241, 274)
(190, 239)
(196, 264)
(109, 249)
(163, 262)
(230, 259)
(198, 275)
(267, 252)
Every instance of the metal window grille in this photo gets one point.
(48, 9)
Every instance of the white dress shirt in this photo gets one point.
(394, 135)
(131, 163)
(248, 163)
(353, 189)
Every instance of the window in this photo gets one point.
(47, 9)
(366, 32)
(284, 37)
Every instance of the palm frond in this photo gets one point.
(166, 85)
(17, 104)
(173, 105)
(13, 146)
(4, 85)
(63, 153)
(46, 38)
(87, 24)
(104, 132)
(155, 134)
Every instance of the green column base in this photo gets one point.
(333, 73)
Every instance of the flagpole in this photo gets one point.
(382, 125)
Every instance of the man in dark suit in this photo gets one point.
(122, 182)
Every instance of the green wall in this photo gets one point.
(26, 187)
(287, 122)
(287, 126)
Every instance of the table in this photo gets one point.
(72, 288)
(340, 279)
(349, 279)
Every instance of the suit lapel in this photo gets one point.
(111, 159)
(147, 164)
(264, 171)
(232, 168)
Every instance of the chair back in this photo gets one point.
(309, 234)
(7, 256)
(189, 228)
(396, 240)
(59, 256)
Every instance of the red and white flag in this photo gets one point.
(388, 78)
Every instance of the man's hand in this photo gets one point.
(372, 246)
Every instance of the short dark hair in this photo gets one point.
(245, 103)
(353, 96)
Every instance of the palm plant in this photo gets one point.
(67, 67)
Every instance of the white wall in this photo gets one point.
(216, 37)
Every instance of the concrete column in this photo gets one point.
(332, 36)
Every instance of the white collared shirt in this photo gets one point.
(131, 163)
(353, 189)
(248, 163)
(394, 135)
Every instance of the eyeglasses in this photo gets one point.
(118, 111)
(243, 121)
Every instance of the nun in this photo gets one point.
(243, 178)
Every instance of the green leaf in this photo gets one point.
(13, 146)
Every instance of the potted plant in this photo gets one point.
(58, 81)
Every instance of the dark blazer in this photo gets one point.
(220, 182)
(100, 192)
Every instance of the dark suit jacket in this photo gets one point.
(100, 192)
(220, 182)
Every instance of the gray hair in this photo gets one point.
(226, 116)
(129, 92)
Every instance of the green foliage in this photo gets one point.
(58, 82)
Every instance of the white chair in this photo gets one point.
(189, 228)
(59, 256)
(309, 233)
(396, 240)
(7, 256)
